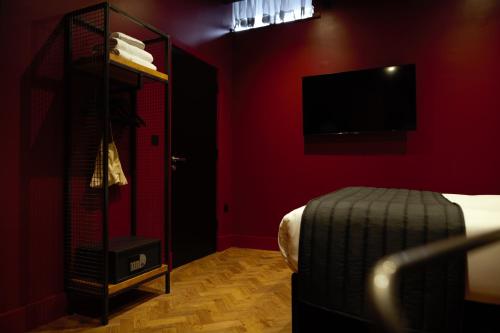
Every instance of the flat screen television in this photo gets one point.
(363, 101)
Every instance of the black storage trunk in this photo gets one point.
(128, 257)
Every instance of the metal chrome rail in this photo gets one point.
(383, 281)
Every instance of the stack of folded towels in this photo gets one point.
(131, 49)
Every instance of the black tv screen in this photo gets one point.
(370, 100)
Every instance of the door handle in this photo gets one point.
(176, 159)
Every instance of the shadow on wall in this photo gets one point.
(40, 267)
(391, 143)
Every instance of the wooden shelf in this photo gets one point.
(121, 70)
(117, 60)
(136, 280)
(129, 283)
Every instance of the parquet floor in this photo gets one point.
(237, 290)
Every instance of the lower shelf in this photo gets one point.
(129, 283)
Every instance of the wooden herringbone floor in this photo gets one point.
(238, 290)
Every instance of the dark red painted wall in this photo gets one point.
(31, 167)
(455, 46)
(264, 169)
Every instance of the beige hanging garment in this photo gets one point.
(115, 172)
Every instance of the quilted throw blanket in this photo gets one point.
(345, 232)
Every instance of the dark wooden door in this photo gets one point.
(194, 154)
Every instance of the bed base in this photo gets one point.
(307, 318)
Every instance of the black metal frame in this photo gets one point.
(74, 18)
(383, 281)
(383, 289)
(67, 152)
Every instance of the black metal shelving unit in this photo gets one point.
(94, 78)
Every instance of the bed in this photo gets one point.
(481, 214)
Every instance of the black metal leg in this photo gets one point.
(70, 308)
(167, 283)
(105, 311)
(133, 168)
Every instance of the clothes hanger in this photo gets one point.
(121, 114)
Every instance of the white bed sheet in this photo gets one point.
(481, 213)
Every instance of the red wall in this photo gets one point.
(264, 167)
(31, 168)
(455, 46)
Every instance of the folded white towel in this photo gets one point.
(133, 58)
(115, 43)
(128, 39)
